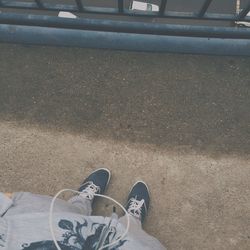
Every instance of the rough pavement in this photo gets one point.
(179, 122)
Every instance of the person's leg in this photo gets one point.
(135, 224)
(136, 232)
(95, 183)
(25, 202)
(82, 204)
(138, 201)
(137, 208)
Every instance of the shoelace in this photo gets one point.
(90, 191)
(113, 242)
(135, 207)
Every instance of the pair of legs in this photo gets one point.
(97, 182)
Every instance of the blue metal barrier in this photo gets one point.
(36, 22)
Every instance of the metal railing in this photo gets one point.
(31, 22)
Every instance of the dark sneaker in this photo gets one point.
(138, 201)
(95, 183)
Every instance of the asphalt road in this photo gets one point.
(166, 100)
(179, 122)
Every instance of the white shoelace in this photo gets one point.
(90, 191)
(112, 243)
(135, 207)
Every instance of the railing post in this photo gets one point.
(120, 6)
(204, 8)
(244, 12)
(79, 5)
(39, 3)
(162, 7)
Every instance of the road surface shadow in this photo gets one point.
(198, 102)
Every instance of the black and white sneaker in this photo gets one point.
(95, 183)
(138, 201)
